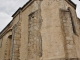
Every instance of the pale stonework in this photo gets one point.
(42, 30)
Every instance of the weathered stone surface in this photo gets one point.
(34, 39)
(64, 59)
(68, 30)
(42, 30)
(16, 42)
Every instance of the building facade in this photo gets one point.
(42, 30)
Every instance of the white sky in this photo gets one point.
(8, 7)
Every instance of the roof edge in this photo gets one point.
(71, 3)
(20, 8)
(16, 12)
(68, 1)
(8, 25)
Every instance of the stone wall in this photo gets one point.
(15, 52)
(5, 47)
(8, 48)
(43, 30)
(51, 30)
(69, 30)
(31, 20)
(34, 39)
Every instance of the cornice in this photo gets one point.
(71, 3)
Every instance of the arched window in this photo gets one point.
(8, 48)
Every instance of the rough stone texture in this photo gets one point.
(51, 30)
(5, 47)
(42, 30)
(68, 28)
(8, 49)
(35, 39)
(65, 59)
(15, 52)
(34, 9)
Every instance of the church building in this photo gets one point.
(42, 30)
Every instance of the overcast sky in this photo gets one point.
(8, 7)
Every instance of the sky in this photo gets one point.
(8, 7)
